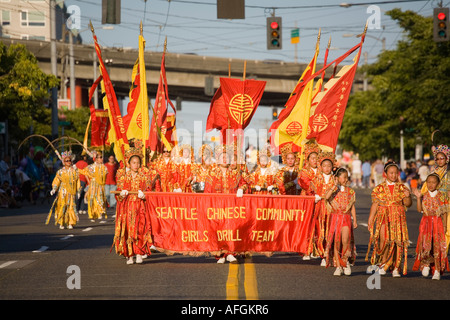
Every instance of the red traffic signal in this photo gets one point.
(273, 33)
(441, 25)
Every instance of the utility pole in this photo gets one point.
(72, 72)
(54, 96)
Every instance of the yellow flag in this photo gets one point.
(292, 125)
(138, 121)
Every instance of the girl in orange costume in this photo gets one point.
(132, 235)
(341, 241)
(431, 245)
(387, 223)
(262, 180)
(321, 184)
(309, 170)
(286, 177)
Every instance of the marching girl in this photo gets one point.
(132, 235)
(431, 245)
(96, 198)
(309, 170)
(67, 183)
(262, 180)
(441, 155)
(286, 177)
(321, 184)
(341, 242)
(222, 179)
(201, 170)
(184, 168)
(387, 223)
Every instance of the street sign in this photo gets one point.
(295, 35)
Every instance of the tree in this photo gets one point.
(409, 92)
(24, 88)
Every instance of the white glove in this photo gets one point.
(258, 188)
(269, 188)
(240, 193)
(123, 193)
(178, 190)
(141, 195)
(317, 198)
(52, 192)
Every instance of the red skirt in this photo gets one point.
(431, 245)
(337, 222)
(132, 234)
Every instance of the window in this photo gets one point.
(32, 19)
(6, 18)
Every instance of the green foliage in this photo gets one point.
(23, 90)
(409, 91)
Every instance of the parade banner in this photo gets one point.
(197, 223)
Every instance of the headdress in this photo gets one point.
(205, 149)
(220, 149)
(327, 155)
(390, 164)
(434, 174)
(442, 149)
(337, 170)
(264, 152)
(134, 151)
(285, 150)
(191, 150)
(311, 147)
(67, 154)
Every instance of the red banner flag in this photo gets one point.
(329, 106)
(198, 223)
(117, 133)
(241, 99)
(159, 121)
(99, 120)
(218, 115)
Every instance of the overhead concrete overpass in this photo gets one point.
(186, 73)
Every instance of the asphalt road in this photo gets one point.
(39, 261)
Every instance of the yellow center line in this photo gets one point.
(250, 282)
(233, 282)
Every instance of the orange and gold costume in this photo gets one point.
(185, 169)
(390, 216)
(431, 247)
(167, 171)
(340, 208)
(321, 184)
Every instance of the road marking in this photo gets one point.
(233, 282)
(8, 263)
(67, 237)
(87, 229)
(364, 224)
(250, 283)
(41, 249)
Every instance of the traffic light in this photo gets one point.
(441, 25)
(274, 114)
(274, 33)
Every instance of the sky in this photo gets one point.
(191, 26)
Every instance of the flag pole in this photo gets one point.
(305, 122)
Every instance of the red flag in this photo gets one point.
(99, 120)
(241, 99)
(326, 121)
(217, 118)
(117, 133)
(159, 121)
